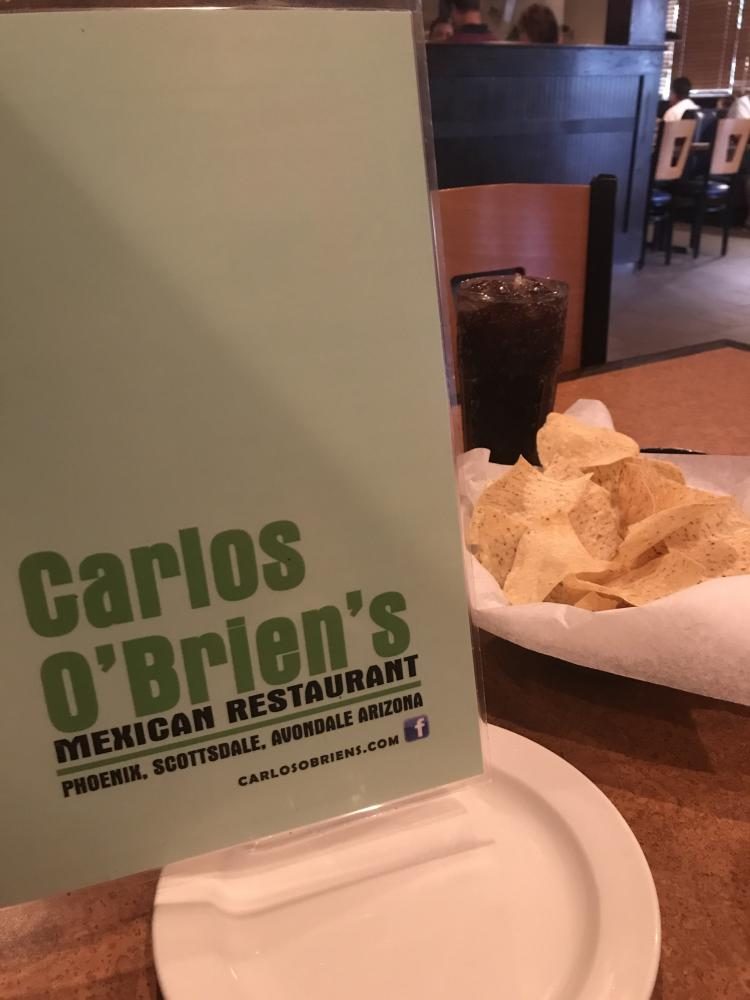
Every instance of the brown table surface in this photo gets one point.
(677, 766)
(697, 398)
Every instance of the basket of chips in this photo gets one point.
(612, 559)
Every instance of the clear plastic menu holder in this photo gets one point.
(416, 834)
(378, 848)
(288, 868)
(413, 887)
(405, 892)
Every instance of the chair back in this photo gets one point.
(674, 149)
(547, 229)
(729, 146)
(706, 119)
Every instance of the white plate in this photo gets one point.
(530, 886)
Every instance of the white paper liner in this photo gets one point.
(697, 639)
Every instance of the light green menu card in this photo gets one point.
(231, 587)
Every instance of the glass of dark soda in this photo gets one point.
(510, 340)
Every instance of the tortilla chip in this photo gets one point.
(721, 521)
(603, 526)
(643, 489)
(716, 556)
(667, 469)
(671, 493)
(634, 499)
(510, 505)
(608, 476)
(526, 492)
(658, 578)
(546, 554)
(720, 543)
(654, 529)
(740, 542)
(594, 601)
(564, 437)
(563, 468)
(493, 538)
(562, 594)
(597, 523)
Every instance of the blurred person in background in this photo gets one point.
(468, 26)
(440, 30)
(740, 107)
(567, 34)
(538, 25)
(679, 100)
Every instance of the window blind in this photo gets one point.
(708, 42)
(742, 60)
(673, 15)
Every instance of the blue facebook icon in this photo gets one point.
(417, 728)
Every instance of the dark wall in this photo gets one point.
(636, 22)
(548, 114)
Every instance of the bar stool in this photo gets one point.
(673, 146)
(714, 192)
